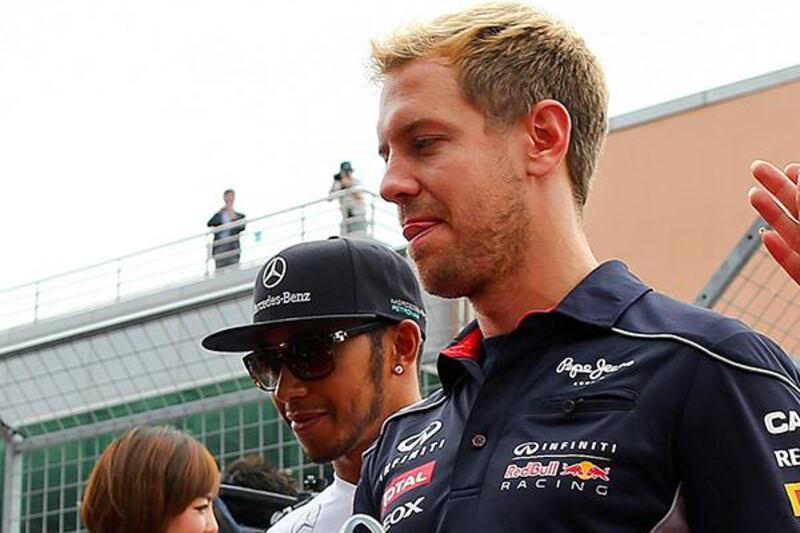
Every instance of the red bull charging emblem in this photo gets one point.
(586, 470)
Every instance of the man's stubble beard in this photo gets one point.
(372, 415)
(485, 253)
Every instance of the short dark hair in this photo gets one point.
(227, 191)
(254, 472)
(376, 357)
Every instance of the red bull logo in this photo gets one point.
(532, 469)
(586, 470)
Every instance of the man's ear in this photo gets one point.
(548, 127)
(407, 344)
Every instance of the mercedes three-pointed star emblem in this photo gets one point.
(274, 272)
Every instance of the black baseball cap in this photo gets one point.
(337, 278)
(345, 166)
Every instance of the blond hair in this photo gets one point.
(510, 56)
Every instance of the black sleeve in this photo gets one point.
(215, 220)
(241, 224)
(738, 446)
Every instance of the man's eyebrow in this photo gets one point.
(416, 123)
(407, 129)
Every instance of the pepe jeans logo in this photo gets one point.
(274, 272)
(588, 372)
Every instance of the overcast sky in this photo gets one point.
(121, 122)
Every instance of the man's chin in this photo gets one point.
(442, 280)
(321, 454)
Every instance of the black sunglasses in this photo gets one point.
(308, 358)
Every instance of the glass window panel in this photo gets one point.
(71, 473)
(271, 430)
(71, 496)
(71, 521)
(70, 451)
(54, 455)
(250, 438)
(250, 413)
(54, 476)
(232, 417)
(212, 421)
(86, 467)
(53, 500)
(213, 443)
(272, 455)
(193, 424)
(233, 443)
(34, 525)
(52, 522)
(37, 479)
(36, 502)
(291, 456)
(36, 458)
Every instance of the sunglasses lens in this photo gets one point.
(307, 358)
(312, 358)
(264, 370)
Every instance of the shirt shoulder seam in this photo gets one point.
(712, 354)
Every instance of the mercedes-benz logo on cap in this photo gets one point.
(274, 272)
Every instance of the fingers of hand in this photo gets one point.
(792, 170)
(766, 206)
(787, 228)
(779, 184)
(783, 254)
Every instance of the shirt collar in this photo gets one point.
(598, 300)
(603, 296)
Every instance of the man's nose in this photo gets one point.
(289, 387)
(399, 181)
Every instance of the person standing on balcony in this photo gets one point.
(225, 249)
(354, 210)
(335, 341)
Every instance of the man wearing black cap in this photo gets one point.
(352, 204)
(337, 330)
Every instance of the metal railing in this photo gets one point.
(749, 285)
(190, 259)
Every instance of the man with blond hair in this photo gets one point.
(580, 399)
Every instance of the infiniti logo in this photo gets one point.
(526, 449)
(418, 439)
(274, 272)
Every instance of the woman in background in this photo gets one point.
(153, 480)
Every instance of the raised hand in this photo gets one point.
(778, 203)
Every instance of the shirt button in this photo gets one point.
(478, 440)
(568, 406)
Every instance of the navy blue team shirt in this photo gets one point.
(621, 410)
